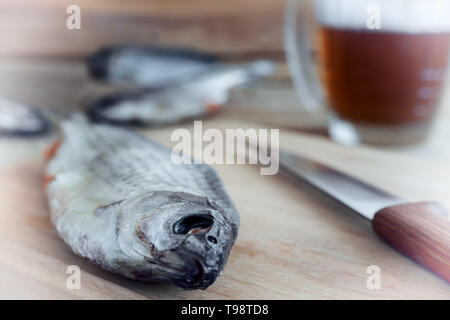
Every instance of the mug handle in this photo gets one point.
(298, 55)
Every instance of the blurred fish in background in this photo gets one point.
(165, 86)
(22, 120)
(200, 94)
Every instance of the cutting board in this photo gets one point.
(293, 242)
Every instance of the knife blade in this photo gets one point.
(353, 193)
(419, 230)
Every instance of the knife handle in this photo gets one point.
(420, 231)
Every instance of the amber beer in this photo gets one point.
(383, 77)
(385, 80)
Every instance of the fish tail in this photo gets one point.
(260, 68)
(51, 150)
(47, 179)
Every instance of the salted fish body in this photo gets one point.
(117, 199)
(201, 96)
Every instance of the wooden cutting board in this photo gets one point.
(293, 243)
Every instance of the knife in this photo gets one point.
(419, 230)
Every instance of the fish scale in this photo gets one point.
(115, 165)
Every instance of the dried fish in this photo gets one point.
(117, 199)
(18, 119)
(203, 95)
(148, 66)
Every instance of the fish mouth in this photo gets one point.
(197, 277)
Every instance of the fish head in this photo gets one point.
(185, 238)
(98, 63)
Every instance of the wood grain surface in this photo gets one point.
(232, 28)
(293, 243)
(421, 231)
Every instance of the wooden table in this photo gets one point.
(293, 243)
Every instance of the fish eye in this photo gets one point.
(186, 224)
(212, 239)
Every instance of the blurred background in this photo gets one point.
(234, 29)
(42, 61)
(44, 58)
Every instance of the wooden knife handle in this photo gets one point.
(420, 231)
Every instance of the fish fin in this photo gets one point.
(47, 179)
(51, 150)
(212, 107)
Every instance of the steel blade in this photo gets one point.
(353, 193)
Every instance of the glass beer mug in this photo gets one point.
(378, 66)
